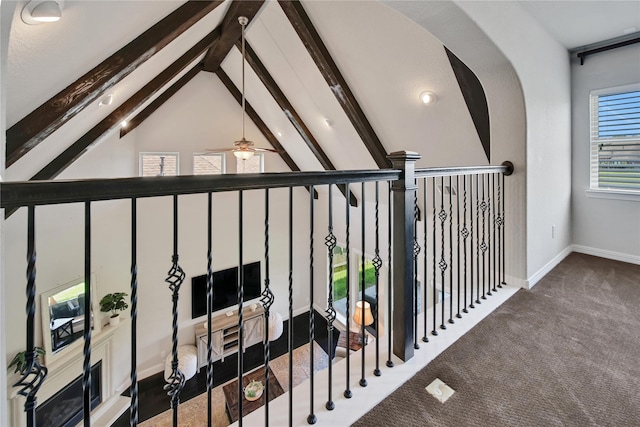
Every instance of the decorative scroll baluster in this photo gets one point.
(450, 253)
(32, 375)
(209, 307)
(363, 381)
(389, 279)
(267, 301)
(347, 392)
(133, 409)
(86, 366)
(416, 253)
(458, 315)
(311, 419)
(240, 288)
(483, 245)
(290, 331)
(330, 242)
(424, 258)
(465, 235)
(175, 383)
(377, 264)
(478, 250)
(433, 257)
(442, 264)
(489, 222)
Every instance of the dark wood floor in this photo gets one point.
(152, 399)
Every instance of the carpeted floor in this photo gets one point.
(565, 353)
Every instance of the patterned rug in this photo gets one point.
(193, 413)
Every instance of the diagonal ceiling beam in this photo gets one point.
(231, 31)
(329, 70)
(78, 148)
(47, 118)
(291, 113)
(255, 117)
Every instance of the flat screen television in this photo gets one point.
(225, 291)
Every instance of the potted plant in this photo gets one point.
(20, 360)
(113, 303)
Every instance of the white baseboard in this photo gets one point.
(602, 253)
(531, 282)
(145, 373)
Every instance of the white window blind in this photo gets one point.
(615, 138)
(208, 163)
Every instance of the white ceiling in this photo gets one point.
(578, 23)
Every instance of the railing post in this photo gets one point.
(404, 190)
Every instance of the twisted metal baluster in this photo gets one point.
(434, 183)
(32, 374)
(133, 409)
(377, 264)
(477, 240)
(290, 337)
(389, 280)
(442, 264)
(489, 245)
(86, 365)
(330, 242)
(240, 290)
(450, 251)
(175, 278)
(465, 235)
(347, 392)
(267, 301)
(458, 315)
(209, 308)
(311, 418)
(495, 221)
(416, 253)
(424, 258)
(483, 245)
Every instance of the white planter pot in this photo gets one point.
(113, 321)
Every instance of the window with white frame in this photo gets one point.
(208, 163)
(615, 138)
(254, 164)
(159, 164)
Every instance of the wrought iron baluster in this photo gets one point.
(489, 243)
(424, 258)
(478, 240)
(434, 331)
(501, 225)
(465, 235)
(483, 246)
(240, 288)
(363, 381)
(311, 419)
(86, 366)
(267, 301)
(209, 307)
(175, 383)
(330, 242)
(33, 374)
(458, 315)
(496, 239)
(442, 264)
(416, 253)
(290, 328)
(450, 252)
(390, 281)
(133, 408)
(377, 264)
(347, 392)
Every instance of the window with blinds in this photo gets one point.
(615, 138)
(159, 164)
(208, 163)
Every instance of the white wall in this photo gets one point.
(618, 235)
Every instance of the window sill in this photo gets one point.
(613, 194)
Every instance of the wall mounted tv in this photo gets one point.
(225, 291)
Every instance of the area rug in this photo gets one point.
(562, 354)
(193, 413)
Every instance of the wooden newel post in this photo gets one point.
(403, 240)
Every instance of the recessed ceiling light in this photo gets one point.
(123, 124)
(39, 12)
(328, 122)
(428, 97)
(279, 134)
(107, 100)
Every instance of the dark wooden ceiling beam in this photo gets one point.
(287, 108)
(329, 70)
(231, 31)
(257, 120)
(50, 116)
(78, 148)
(160, 100)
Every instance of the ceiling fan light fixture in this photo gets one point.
(243, 153)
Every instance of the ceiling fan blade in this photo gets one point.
(218, 150)
(269, 150)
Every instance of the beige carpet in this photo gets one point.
(563, 354)
(193, 413)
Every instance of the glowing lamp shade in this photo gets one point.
(38, 11)
(243, 154)
(363, 311)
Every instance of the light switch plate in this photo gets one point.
(439, 390)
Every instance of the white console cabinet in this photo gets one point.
(225, 334)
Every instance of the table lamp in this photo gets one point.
(363, 316)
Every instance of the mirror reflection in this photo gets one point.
(66, 316)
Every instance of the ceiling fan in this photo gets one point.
(243, 149)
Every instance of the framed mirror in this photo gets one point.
(63, 317)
